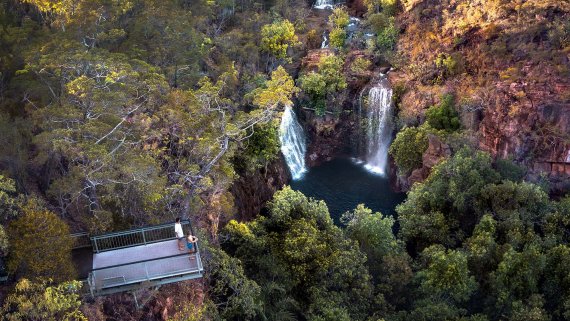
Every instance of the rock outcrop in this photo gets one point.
(436, 151)
(509, 74)
(252, 190)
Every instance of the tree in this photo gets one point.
(409, 147)
(4, 245)
(337, 38)
(444, 116)
(518, 208)
(482, 248)
(374, 234)
(444, 208)
(387, 261)
(556, 287)
(235, 295)
(261, 148)
(388, 37)
(304, 260)
(277, 37)
(517, 276)
(326, 83)
(40, 246)
(446, 274)
(43, 301)
(339, 17)
(9, 200)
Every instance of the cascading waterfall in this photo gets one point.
(324, 4)
(379, 127)
(293, 145)
(325, 43)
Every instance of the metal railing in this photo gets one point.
(149, 270)
(135, 237)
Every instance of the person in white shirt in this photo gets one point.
(179, 234)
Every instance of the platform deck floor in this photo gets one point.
(162, 264)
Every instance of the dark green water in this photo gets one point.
(343, 184)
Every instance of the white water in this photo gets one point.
(324, 4)
(379, 127)
(293, 145)
(325, 43)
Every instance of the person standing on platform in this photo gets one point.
(191, 243)
(179, 234)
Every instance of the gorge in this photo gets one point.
(358, 160)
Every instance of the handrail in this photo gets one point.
(97, 285)
(150, 227)
(135, 237)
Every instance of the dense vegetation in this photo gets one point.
(123, 113)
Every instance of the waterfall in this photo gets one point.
(324, 4)
(325, 43)
(379, 127)
(293, 144)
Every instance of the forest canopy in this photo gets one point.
(120, 114)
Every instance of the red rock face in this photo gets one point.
(435, 153)
(252, 190)
(528, 122)
(356, 8)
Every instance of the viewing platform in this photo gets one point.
(139, 258)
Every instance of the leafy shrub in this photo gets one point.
(509, 170)
(378, 22)
(408, 148)
(40, 246)
(277, 37)
(337, 38)
(452, 64)
(444, 116)
(313, 39)
(360, 65)
(339, 18)
(313, 84)
(262, 147)
(388, 37)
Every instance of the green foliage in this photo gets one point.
(517, 206)
(313, 84)
(331, 67)
(387, 262)
(262, 147)
(517, 276)
(408, 147)
(328, 81)
(339, 18)
(444, 116)
(388, 7)
(302, 260)
(277, 91)
(277, 37)
(437, 210)
(360, 65)
(10, 202)
(451, 64)
(387, 37)
(337, 37)
(4, 244)
(235, 294)
(40, 246)
(446, 273)
(509, 170)
(43, 300)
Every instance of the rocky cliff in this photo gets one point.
(252, 190)
(507, 63)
